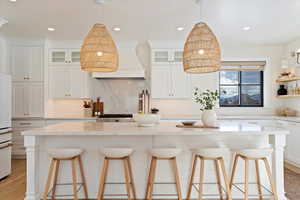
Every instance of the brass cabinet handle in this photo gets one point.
(27, 124)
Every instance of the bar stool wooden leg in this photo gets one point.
(83, 178)
(50, 175)
(233, 170)
(74, 179)
(127, 179)
(228, 190)
(194, 164)
(56, 169)
(103, 179)
(217, 171)
(246, 178)
(131, 177)
(258, 179)
(149, 179)
(152, 179)
(273, 187)
(177, 179)
(201, 179)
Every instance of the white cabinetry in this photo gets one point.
(27, 63)
(28, 100)
(292, 151)
(64, 57)
(68, 82)
(18, 149)
(167, 56)
(170, 82)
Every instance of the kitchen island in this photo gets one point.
(91, 136)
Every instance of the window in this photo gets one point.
(241, 88)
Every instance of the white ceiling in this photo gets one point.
(271, 21)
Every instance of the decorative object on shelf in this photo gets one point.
(282, 90)
(99, 52)
(207, 101)
(154, 110)
(202, 53)
(287, 112)
(297, 55)
(146, 120)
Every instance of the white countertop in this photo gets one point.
(162, 129)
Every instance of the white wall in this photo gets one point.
(272, 54)
(3, 56)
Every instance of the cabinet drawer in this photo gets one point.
(28, 124)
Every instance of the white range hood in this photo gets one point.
(129, 65)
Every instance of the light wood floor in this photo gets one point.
(13, 187)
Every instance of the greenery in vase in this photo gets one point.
(206, 99)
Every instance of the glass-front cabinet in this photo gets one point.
(167, 56)
(64, 57)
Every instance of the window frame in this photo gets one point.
(239, 85)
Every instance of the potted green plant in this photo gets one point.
(207, 101)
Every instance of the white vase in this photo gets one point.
(209, 118)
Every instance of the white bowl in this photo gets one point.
(146, 119)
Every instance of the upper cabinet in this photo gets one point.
(167, 56)
(28, 100)
(168, 80)
(27, 63)
(68, 82)
(64, 57)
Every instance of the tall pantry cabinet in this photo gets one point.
(26, 63)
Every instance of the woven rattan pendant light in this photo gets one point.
(98, 52)
(202, 52)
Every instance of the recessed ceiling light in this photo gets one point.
(117, 29)
(51, 29)
(180, 28)
(246, 28)
(13, 0)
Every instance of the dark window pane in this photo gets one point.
(251, 95)
(229, 77)
(250, 77)
(229, 95)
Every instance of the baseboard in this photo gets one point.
(292, 166)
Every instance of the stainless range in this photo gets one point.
(115, 118)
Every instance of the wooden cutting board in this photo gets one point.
(195, 126)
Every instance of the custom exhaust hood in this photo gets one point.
(129, 64)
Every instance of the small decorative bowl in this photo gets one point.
(188, 123)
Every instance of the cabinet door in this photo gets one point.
(36, 64)
(161, 82)
(58, 57)
(160, 56)
(78, 83)
(18, 96)
(180, 82)
(20, 63)
(177, 56)
(74, 56)
(59, 82)
(35, 100)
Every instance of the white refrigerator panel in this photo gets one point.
(5, 101)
